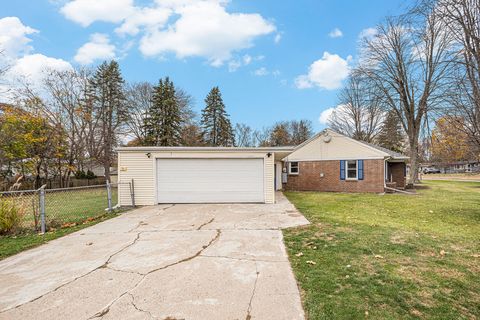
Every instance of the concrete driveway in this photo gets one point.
(198, 261)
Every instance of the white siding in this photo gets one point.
(339, 148)
(136, 165)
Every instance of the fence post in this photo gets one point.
(109, 195)
(132, 192)
(41, 194)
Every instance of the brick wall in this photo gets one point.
(309, 178)
(396, 173)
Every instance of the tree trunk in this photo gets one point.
(413, 154)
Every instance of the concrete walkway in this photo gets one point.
(222, 261)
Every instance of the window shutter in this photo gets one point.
(360, 169)
(342, 169)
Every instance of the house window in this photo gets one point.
(293, 168)
(352, 172)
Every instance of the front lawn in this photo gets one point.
(369, 256)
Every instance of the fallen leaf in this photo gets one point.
(378, 256)
(89, 243)
(442, 253)
(311, 262)
(475, 255)
(299, 254)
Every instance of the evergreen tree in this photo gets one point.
(163, 120)
(216, 126)
(390, 135)
(106, 94)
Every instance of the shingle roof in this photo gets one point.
(391, 153)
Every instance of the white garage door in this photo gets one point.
(209, 180)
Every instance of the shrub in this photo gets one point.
(10, 215)
(90, 175)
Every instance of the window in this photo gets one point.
(293, 168)
(352, 172)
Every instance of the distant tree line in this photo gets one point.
(75, 119)
(419, 73)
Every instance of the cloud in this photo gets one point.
(13, 37)
(368, 33)
(326, 73)
(206, 29)
(98, 48)
(261, 72)
(85, 12)
(336, 33)
(24, 66)
(144, 18)
(325, 115)
(277, 38)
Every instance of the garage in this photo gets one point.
(210, 180)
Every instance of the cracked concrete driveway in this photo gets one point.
(198, 261)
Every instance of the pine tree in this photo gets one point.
(390, 135)
(163, 120)
(216, 126)
(106, 93)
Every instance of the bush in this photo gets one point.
(10, 215)
(80, 174)
(90, 175)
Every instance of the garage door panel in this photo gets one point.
(210, 180)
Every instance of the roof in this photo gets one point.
(391, 153)
(208, 149)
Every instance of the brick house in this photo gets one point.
(330, 161)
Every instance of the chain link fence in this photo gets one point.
(45, 209)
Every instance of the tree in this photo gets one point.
(462, 20)
(449, 142)
(300, 131)
(280, 134)
(139, 101)
(163, 125)
(216, 127)
(406, 63)
(107, 100)
(391, 135)
(359, 113)
(244, 135)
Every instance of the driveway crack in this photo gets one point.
(206, 223)
(105, 310)
(249, 310)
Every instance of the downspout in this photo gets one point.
(385, 171)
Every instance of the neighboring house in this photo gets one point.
(454, 167)
(327, 162)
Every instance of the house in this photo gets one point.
(328, 161)
(471, 166)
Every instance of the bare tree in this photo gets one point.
(244, 135)
(359, 114)
(300, 131)
(139, 100)
(407, 62)
(262, 137)
(462, 18)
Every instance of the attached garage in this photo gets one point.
(198, 174)
(210, 180)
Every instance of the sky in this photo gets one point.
(272, 60)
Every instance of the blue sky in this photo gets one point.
(272, 62)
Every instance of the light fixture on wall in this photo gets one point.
(148, 154)
(269, 154)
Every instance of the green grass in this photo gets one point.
(389, 256)
(10, 245)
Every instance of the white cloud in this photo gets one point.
(336, 33)
(25, 67)
(367, 33)
(85, 12)
(150, 18)
(206, 29)
(260, 72)
(277, 38)
(235, 64)
(247, 59)
(326, 73)
(98, 48)
(325, 115)
(13, 37)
